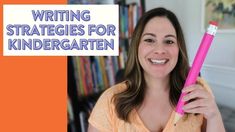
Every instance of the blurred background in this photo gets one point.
(218, 69)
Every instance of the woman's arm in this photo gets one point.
(213, 126)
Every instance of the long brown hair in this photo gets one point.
(133, 96)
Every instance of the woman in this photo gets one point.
(155, 73)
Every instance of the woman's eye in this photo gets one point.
(169, 42)
(149, 40)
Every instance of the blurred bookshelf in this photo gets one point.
(89, 76)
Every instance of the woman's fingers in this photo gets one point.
(195, 91)
(200, 100)
(191, 88)
(201, 110)
(203, 106)
(195, 104)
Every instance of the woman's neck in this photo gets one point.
(157, 86)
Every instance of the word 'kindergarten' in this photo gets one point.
(76, 30)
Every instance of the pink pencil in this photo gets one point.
(197, 64)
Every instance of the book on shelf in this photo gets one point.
(129, 15)
(110, 70)
(83, 116)
(70, 110)
(96, 73)
(70, 113)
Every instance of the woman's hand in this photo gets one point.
(200, 101)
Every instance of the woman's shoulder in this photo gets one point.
(115, 89)
(103, 115)
(204, 84)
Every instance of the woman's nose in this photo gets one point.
(159, 49)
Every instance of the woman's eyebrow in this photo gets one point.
(170, 35)
(151, 34)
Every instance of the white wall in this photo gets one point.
(219, 66)
(221, 80)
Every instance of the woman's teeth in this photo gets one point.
(158, 61)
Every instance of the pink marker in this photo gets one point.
(197, 64)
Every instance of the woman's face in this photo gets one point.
(158, 49)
